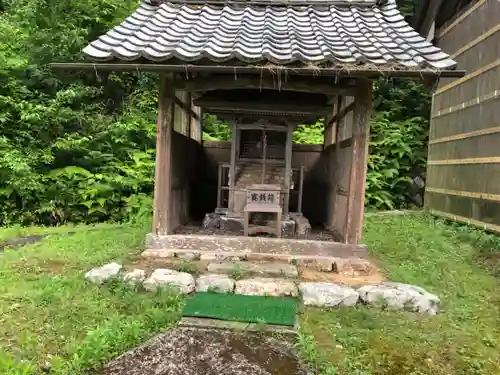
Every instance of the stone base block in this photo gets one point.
(236, 225)
(221, 211)
(257, 247)
(211, 221)
(231, 224)
(303, 227)
(287, 228)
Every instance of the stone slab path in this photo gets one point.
(386, 295)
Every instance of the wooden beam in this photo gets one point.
(288, 108)
(468, 77)
(467, 194)
(487, 160)
(163, 170)
(357, 181)
(342, 113)
(185, 108)
(345, 143)
(476, 41)
(336, 71)
(266, 126)
(330, 128)
(475, 133)
(259, 82)
(441, 32)
(469, 103)
(466, 220)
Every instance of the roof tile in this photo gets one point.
(359, 31)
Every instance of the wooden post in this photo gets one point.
(333, 163)
(189, 115)
(232, 167)
(288, 168)
(163, 170)
(219, 186)
(330, 128)
(357, 181)
(264, 157)
(301, 189)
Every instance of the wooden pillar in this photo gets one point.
(301, 189)
(232, 166)
(330, 128)
(189, 115)
(264, 157)
(288, 169)
(163, 166)
(334, 176)
(357, 181)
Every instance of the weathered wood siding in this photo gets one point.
(339, 172)
(187, 161)
(463, 177)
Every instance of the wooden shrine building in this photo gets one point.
(265, 67)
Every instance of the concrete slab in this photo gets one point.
(237, 326)
(277, 246)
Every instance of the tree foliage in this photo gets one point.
(80, 146)
(73, 147)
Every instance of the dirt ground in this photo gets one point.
(202, 351)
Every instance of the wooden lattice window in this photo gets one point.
(252, 144)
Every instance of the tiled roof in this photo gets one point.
(332, 32)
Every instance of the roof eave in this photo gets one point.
(313, 70)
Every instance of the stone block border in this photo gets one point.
(387, 295)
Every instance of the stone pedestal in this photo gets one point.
(231, 224)
(211, 221)
(303, 227)
(296, 225)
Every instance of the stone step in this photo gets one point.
(257, 286)
(285, 262)
(390, 295)
(286, 246)
(285, 270)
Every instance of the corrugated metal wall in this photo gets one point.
(463, 176)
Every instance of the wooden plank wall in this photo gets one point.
(339, 172)
(463, 176)
(186, 152)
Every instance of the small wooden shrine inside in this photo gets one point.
(258, 190)
(266, 66)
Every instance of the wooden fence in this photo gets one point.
(463, 175)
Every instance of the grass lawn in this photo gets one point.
(464, 339)
(48, 313)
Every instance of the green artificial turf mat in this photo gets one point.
(239, 308)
